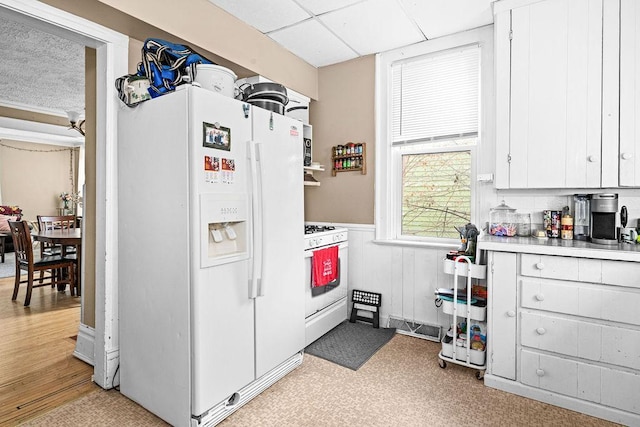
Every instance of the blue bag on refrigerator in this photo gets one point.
(165, 65)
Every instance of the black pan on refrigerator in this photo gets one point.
(268, 104)
(262, 91)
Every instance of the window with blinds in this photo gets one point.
(434, 127)
(435, 96)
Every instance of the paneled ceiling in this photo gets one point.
(325, 32)
(45, 73)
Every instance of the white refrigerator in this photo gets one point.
(210, 253)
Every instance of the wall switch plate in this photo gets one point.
(485, 177)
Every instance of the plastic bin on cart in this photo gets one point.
(464, 354)
(476, 357)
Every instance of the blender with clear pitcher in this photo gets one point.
(581, 216)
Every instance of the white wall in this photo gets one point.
(407, 276)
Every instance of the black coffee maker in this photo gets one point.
(604, 208)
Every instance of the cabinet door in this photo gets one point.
(556, 94)
(629, 161)
(502, 321)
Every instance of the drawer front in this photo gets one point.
(620, 273)
(552, 267)
(549, 333)
(591, 341)
(594, 301)
(597, 384)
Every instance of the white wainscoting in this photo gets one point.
(407, 277)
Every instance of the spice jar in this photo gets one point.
(566, 227)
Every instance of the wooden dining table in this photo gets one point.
(64, 237)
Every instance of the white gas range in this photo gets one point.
(325, 306)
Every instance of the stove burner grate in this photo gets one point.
(310, 229)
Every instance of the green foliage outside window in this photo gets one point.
(436, 193)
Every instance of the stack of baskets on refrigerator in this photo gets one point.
(465, 342)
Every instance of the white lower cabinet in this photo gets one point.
(566, 330)
(598, 384)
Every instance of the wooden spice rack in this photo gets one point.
(350, 157)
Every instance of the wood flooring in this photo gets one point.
(38, 371)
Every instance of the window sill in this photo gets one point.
(416, 244)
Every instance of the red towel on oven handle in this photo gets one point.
(324, 266)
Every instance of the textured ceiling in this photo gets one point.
(39, 70)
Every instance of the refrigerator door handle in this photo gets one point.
(256, 208)
(259, 221)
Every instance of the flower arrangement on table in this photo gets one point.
(69, 197)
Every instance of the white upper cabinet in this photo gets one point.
(567, 93)
(629, 158)
(554, 78)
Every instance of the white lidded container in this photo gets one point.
(216, 78)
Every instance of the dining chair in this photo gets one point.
(55, 223)
(52, 223)
(25, 261)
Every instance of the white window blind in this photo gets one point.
(435, 96)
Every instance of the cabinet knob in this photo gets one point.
(540, 372)
(540, 266)
(541, 331)
(511, 313)
(626, 156)
(539, 297)
(592, 159)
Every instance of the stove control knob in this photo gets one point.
(311, 243)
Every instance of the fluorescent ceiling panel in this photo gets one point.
(438, 18)
(318, 7)
(265, 16)
(373, 26)
(314, 43)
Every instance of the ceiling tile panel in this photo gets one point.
(318, 7)
(373, 26)
(314, 43)
(265, 16)
(438, 18)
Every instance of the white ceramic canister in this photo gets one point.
(216, 78)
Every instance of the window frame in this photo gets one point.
(388, 191)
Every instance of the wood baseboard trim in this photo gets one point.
(85, 344)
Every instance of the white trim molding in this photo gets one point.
(85, 344)
(112, 50)
(41, 133)
(387, 195)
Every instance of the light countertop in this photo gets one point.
(549, 246)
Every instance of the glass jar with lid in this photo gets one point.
(503, 221)
(524, 225)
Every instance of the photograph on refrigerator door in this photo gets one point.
(212, 169)
(216, 136)
(228, 168)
